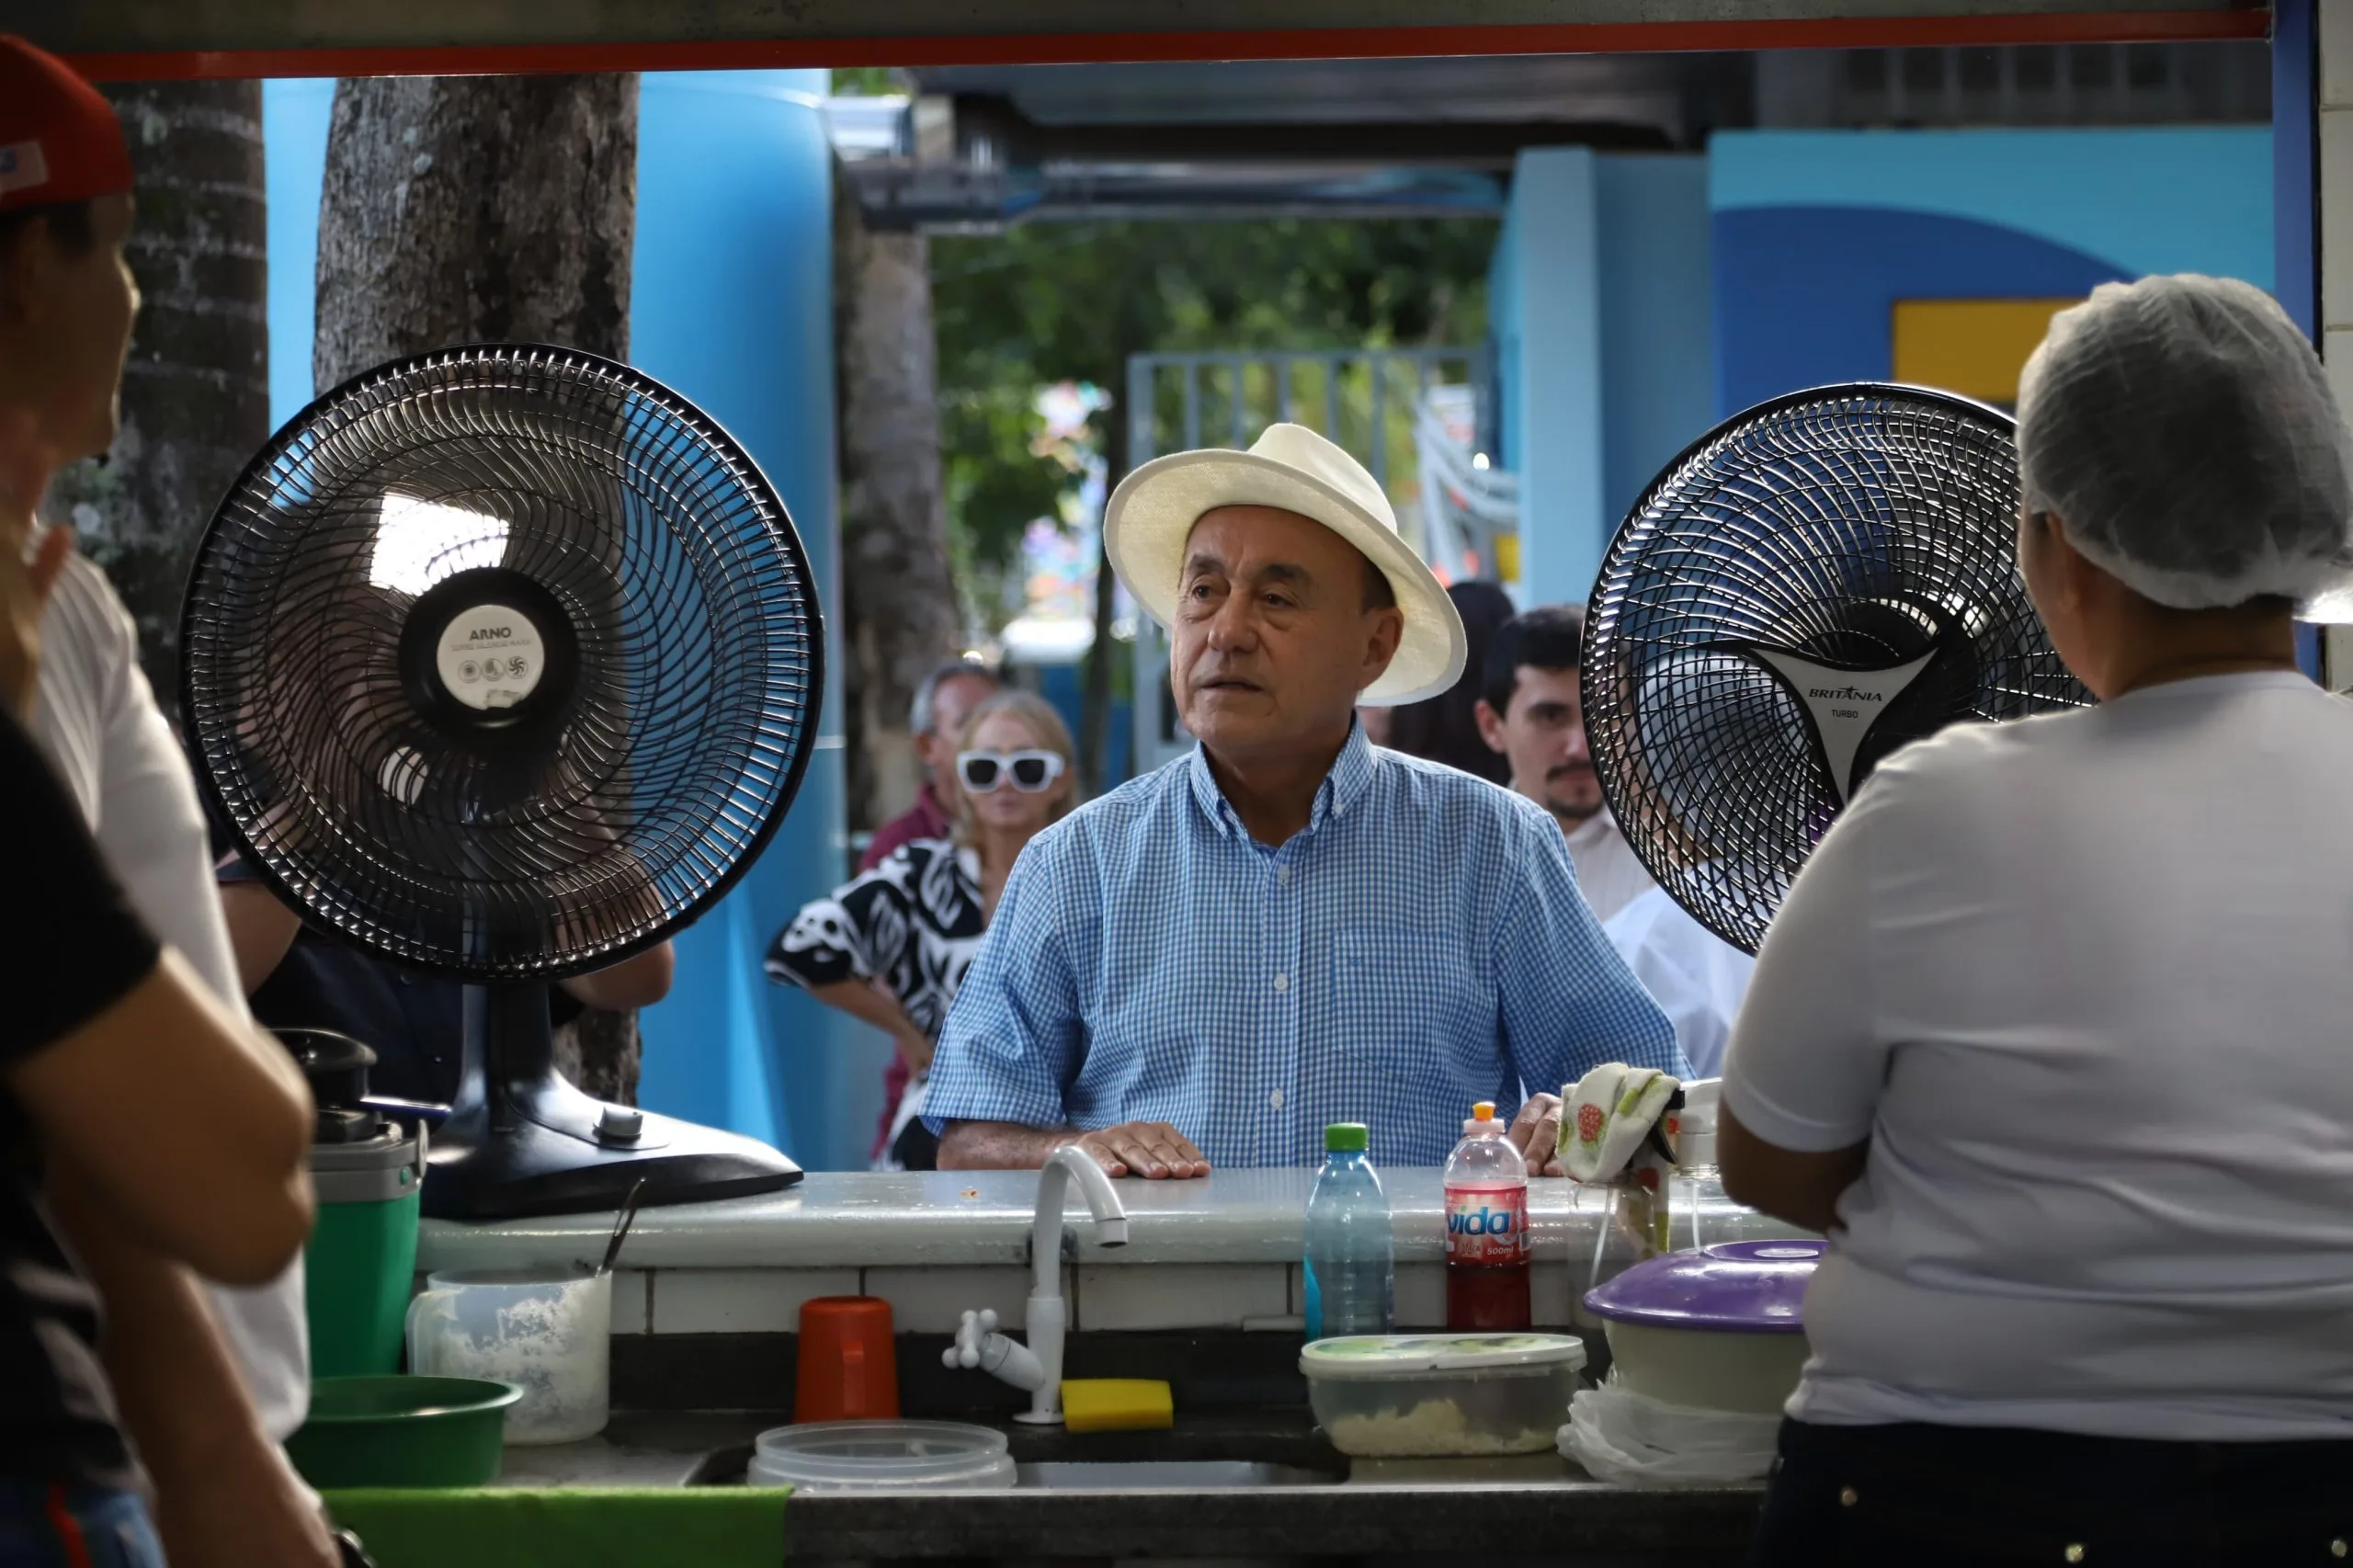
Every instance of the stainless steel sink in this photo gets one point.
(1190, 1475)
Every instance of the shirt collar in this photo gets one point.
(1343, 787)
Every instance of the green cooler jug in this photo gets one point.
(369, 1172)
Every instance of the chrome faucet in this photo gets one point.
(1038, 1365)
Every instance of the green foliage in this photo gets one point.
(868, 81)
(1044, 304)
(995, 484)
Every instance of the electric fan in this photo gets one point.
(503, 662)
(1811, 585)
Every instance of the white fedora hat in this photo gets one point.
(1153, 512)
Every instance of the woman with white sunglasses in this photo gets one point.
(892, 947)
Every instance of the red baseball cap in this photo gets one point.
(59, 138)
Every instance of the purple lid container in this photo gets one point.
(1732, 1286)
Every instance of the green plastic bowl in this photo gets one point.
(388, 1430)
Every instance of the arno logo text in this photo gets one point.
(490, 633)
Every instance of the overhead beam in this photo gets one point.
(131, 40)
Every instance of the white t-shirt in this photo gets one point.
(1696, 977)
(1609, 874)
(99, 722)
(2085, 982)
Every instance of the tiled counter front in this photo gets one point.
(1220, 1254)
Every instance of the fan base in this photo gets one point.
(527, 1169)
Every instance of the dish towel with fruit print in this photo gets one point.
(1609, 1111)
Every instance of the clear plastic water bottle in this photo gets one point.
(1486, 1228)
(1351, 1269)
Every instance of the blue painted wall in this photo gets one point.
(1598, 297)
(1657, 326)
(1818, 233)
(1545, 304)
(731, 304)
(2295, 135)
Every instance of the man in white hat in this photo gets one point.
(1290, 926)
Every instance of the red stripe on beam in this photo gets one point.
(1296, 43)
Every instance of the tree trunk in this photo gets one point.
(195, 388)
(898, 600)
(483, 210)
(475, 209)
(1125, 335)
(1095, 694)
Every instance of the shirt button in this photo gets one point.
(1282, 983)
(1282, 875)
(1276, 1099)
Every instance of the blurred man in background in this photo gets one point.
(1533, 715)
(943, 701)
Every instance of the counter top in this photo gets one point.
(836, 1219)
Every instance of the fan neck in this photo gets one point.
(2138, 651)
(2117, 640)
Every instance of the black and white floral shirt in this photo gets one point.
(914, 922)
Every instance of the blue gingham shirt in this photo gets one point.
(1420, 945)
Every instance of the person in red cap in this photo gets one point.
(222, 1490)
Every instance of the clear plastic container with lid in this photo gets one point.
(1428, 1396)
(883, 1456)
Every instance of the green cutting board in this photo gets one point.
(568, 1528)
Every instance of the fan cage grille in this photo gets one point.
(1841, 524)
(670, 759)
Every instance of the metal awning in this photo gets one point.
(157, 38)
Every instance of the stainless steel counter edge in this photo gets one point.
(964, 1218)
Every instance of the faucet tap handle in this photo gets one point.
(972, 1334)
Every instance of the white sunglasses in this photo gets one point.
(1030, 771)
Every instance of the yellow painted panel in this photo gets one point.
(1507, 558)
(1975, 348)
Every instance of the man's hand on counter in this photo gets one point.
(1535, 1133)
(1152, 1150)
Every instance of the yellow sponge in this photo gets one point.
(1117, 1405)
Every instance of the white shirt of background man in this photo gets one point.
(1607, 872)
(97, 721)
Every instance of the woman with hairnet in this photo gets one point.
(2054, 1034)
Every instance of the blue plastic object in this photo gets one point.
(731, 304)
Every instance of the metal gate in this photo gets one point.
(1368, 402)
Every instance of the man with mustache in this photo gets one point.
(1533, 713)
(1290, 926)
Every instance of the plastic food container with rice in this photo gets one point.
(1435, 1396)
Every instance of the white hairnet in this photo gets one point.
(2182, 430)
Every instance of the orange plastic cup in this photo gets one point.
(849, 1371)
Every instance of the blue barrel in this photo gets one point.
(732, 304)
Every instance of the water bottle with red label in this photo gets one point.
(1486, 1227)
